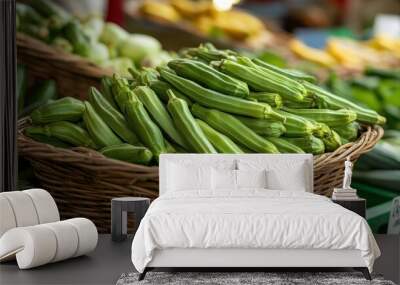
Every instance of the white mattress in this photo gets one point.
(253, 219)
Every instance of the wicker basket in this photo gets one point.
(74, 75)
(83, 182)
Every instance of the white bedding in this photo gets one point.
(255, 218)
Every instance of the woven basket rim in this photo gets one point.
(367, 140)
(46, 52)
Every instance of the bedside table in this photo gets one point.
(358, 206)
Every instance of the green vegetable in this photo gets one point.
(388, 179)
(153, 60)
(128, 153)
(93, 28)
(71, 134)
(138, 118)
(308, 144)
(188, 127)
(332, 142)
(65, 109)
(113, 35)
(39, 134)
(383, 156)
(383, 73)
(209, 77)
(57, 16)
(136, 47)
(107, 92)
(161, 88)
(42, 93)
(332, 118)
(263, 127)
(284, 146)
(101, 134)
(272, 99)
(325, 99)
(348, 131)
(297, 126)
(262, 79)
(63, 44)
(99, 52)
(119, 65)
(214, 99)
(222, 143)
(234, 129)
(291, 73)
(79, 41)
(111, 116)
(158, 113)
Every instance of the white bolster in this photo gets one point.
(40, 244)
(33, 246)
(87, 233)
(67, 240)
(45, 205)
(23, 208)
(7, 218)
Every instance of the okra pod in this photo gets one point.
(332, 118)
(222, 143)
(209, 77)
(158, 113)
(187, 125)
(308, 144)
(214, 99)
(261, 79)
(263, 127)
(234, 129)
(128, 153)
(98, 130)
(272, 99)
(112, 117)
(65, 109)
(284, 146)
(138, 119)
(326, 99)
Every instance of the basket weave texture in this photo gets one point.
(83, 181)
(73, 74)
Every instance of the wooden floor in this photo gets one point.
(111, 259)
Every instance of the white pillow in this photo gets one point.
(223, 179)
(293, 180)
(182, 177)
(290, 174)
(251, 178)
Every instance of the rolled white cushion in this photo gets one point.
(87, 235)
(67, 240)
(23, 208)
(7, 218)
(40, 244)
(33, 246)
(45, 205)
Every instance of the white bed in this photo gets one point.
(241, 227)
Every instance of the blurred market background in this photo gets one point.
(351, 46)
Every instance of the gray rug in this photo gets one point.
(253, 278)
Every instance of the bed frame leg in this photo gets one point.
(364, 271)
(143, 274)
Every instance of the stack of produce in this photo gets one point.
(381, 166)
(216, 19)
(105, 44)
(376, 89)
(381, 51)
(207, 101)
